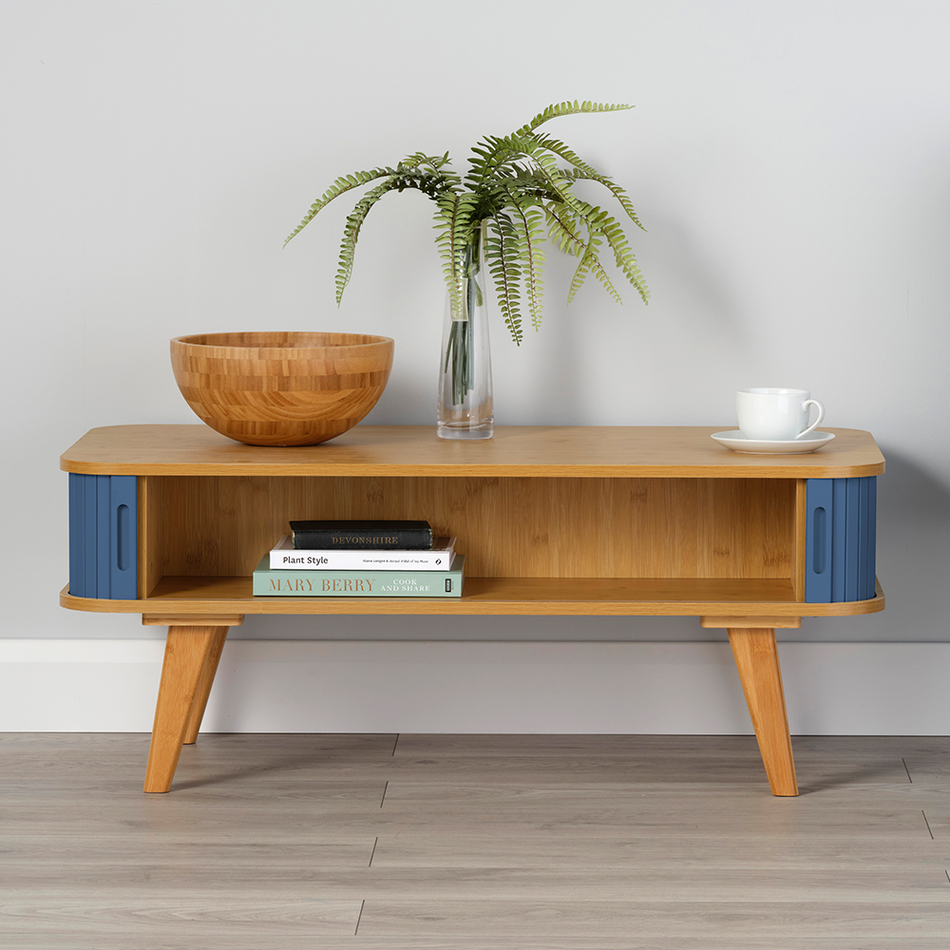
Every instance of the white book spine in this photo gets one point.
(284, 557)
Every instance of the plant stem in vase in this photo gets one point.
(465, 409)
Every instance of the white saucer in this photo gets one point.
(735, 440)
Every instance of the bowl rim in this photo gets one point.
(312, 340)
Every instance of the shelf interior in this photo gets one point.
(571, 529)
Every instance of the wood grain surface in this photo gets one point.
(530, 451)
(216, 598)
(281, 388)
(392, 842)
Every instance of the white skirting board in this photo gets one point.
(462, 687)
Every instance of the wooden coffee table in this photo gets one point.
(586, 521)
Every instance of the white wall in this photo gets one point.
(791, 162)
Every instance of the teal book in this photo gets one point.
(291, 583)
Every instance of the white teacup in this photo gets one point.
(775, 415)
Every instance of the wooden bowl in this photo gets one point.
(281, 388)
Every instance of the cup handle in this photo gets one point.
(817, 422)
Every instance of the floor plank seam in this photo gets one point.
(574, 845)
(393, 753)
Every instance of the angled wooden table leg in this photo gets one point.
(205, 684)
(756, 658)
(187, 651)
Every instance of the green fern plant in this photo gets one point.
(517, 187)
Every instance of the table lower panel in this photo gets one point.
(590, 596)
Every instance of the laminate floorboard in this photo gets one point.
(474, 842)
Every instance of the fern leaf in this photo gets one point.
(455, 226)
(583, 269)
(565, 232)
(585, 171)
(502, 258)
(545, 167)
(427, 182)
(437, 176)
(527, 219)
(591, 263)
(612, 187)
(435, 162)
(426, 172)
(569, 108)
(351, 233)
(601, 222)
(494, 157)
(555, 182)
(342, 185)
(560, 149)
(597, 221)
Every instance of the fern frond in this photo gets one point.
(427, 173)
(436, 178)
(564, 230)
(430, 183)
(527, 219)
(569, 108)
(612, 187)
(528, 182)
(494, 157)
(342, 185)
(502, 258)
(590, 261)
(560, 149)
(583, 269)
(600, 222)
(597, 221)
(351, 233)
(583, 171)
(554, 181)
(455, 225)
(435, 162)
(544, 166)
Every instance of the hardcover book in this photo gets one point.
(296, 583)
(361, 535)
(284, 556)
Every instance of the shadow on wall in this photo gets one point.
(912, 548)
(695, 289)
(909, 495)
(483, 629)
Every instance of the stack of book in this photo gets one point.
(360, 559)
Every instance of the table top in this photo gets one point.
(515, 451)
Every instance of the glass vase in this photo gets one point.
(465, 409)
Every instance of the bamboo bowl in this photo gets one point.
(281, 388)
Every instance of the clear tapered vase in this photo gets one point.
(465, 408)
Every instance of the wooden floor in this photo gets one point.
(473, 843)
